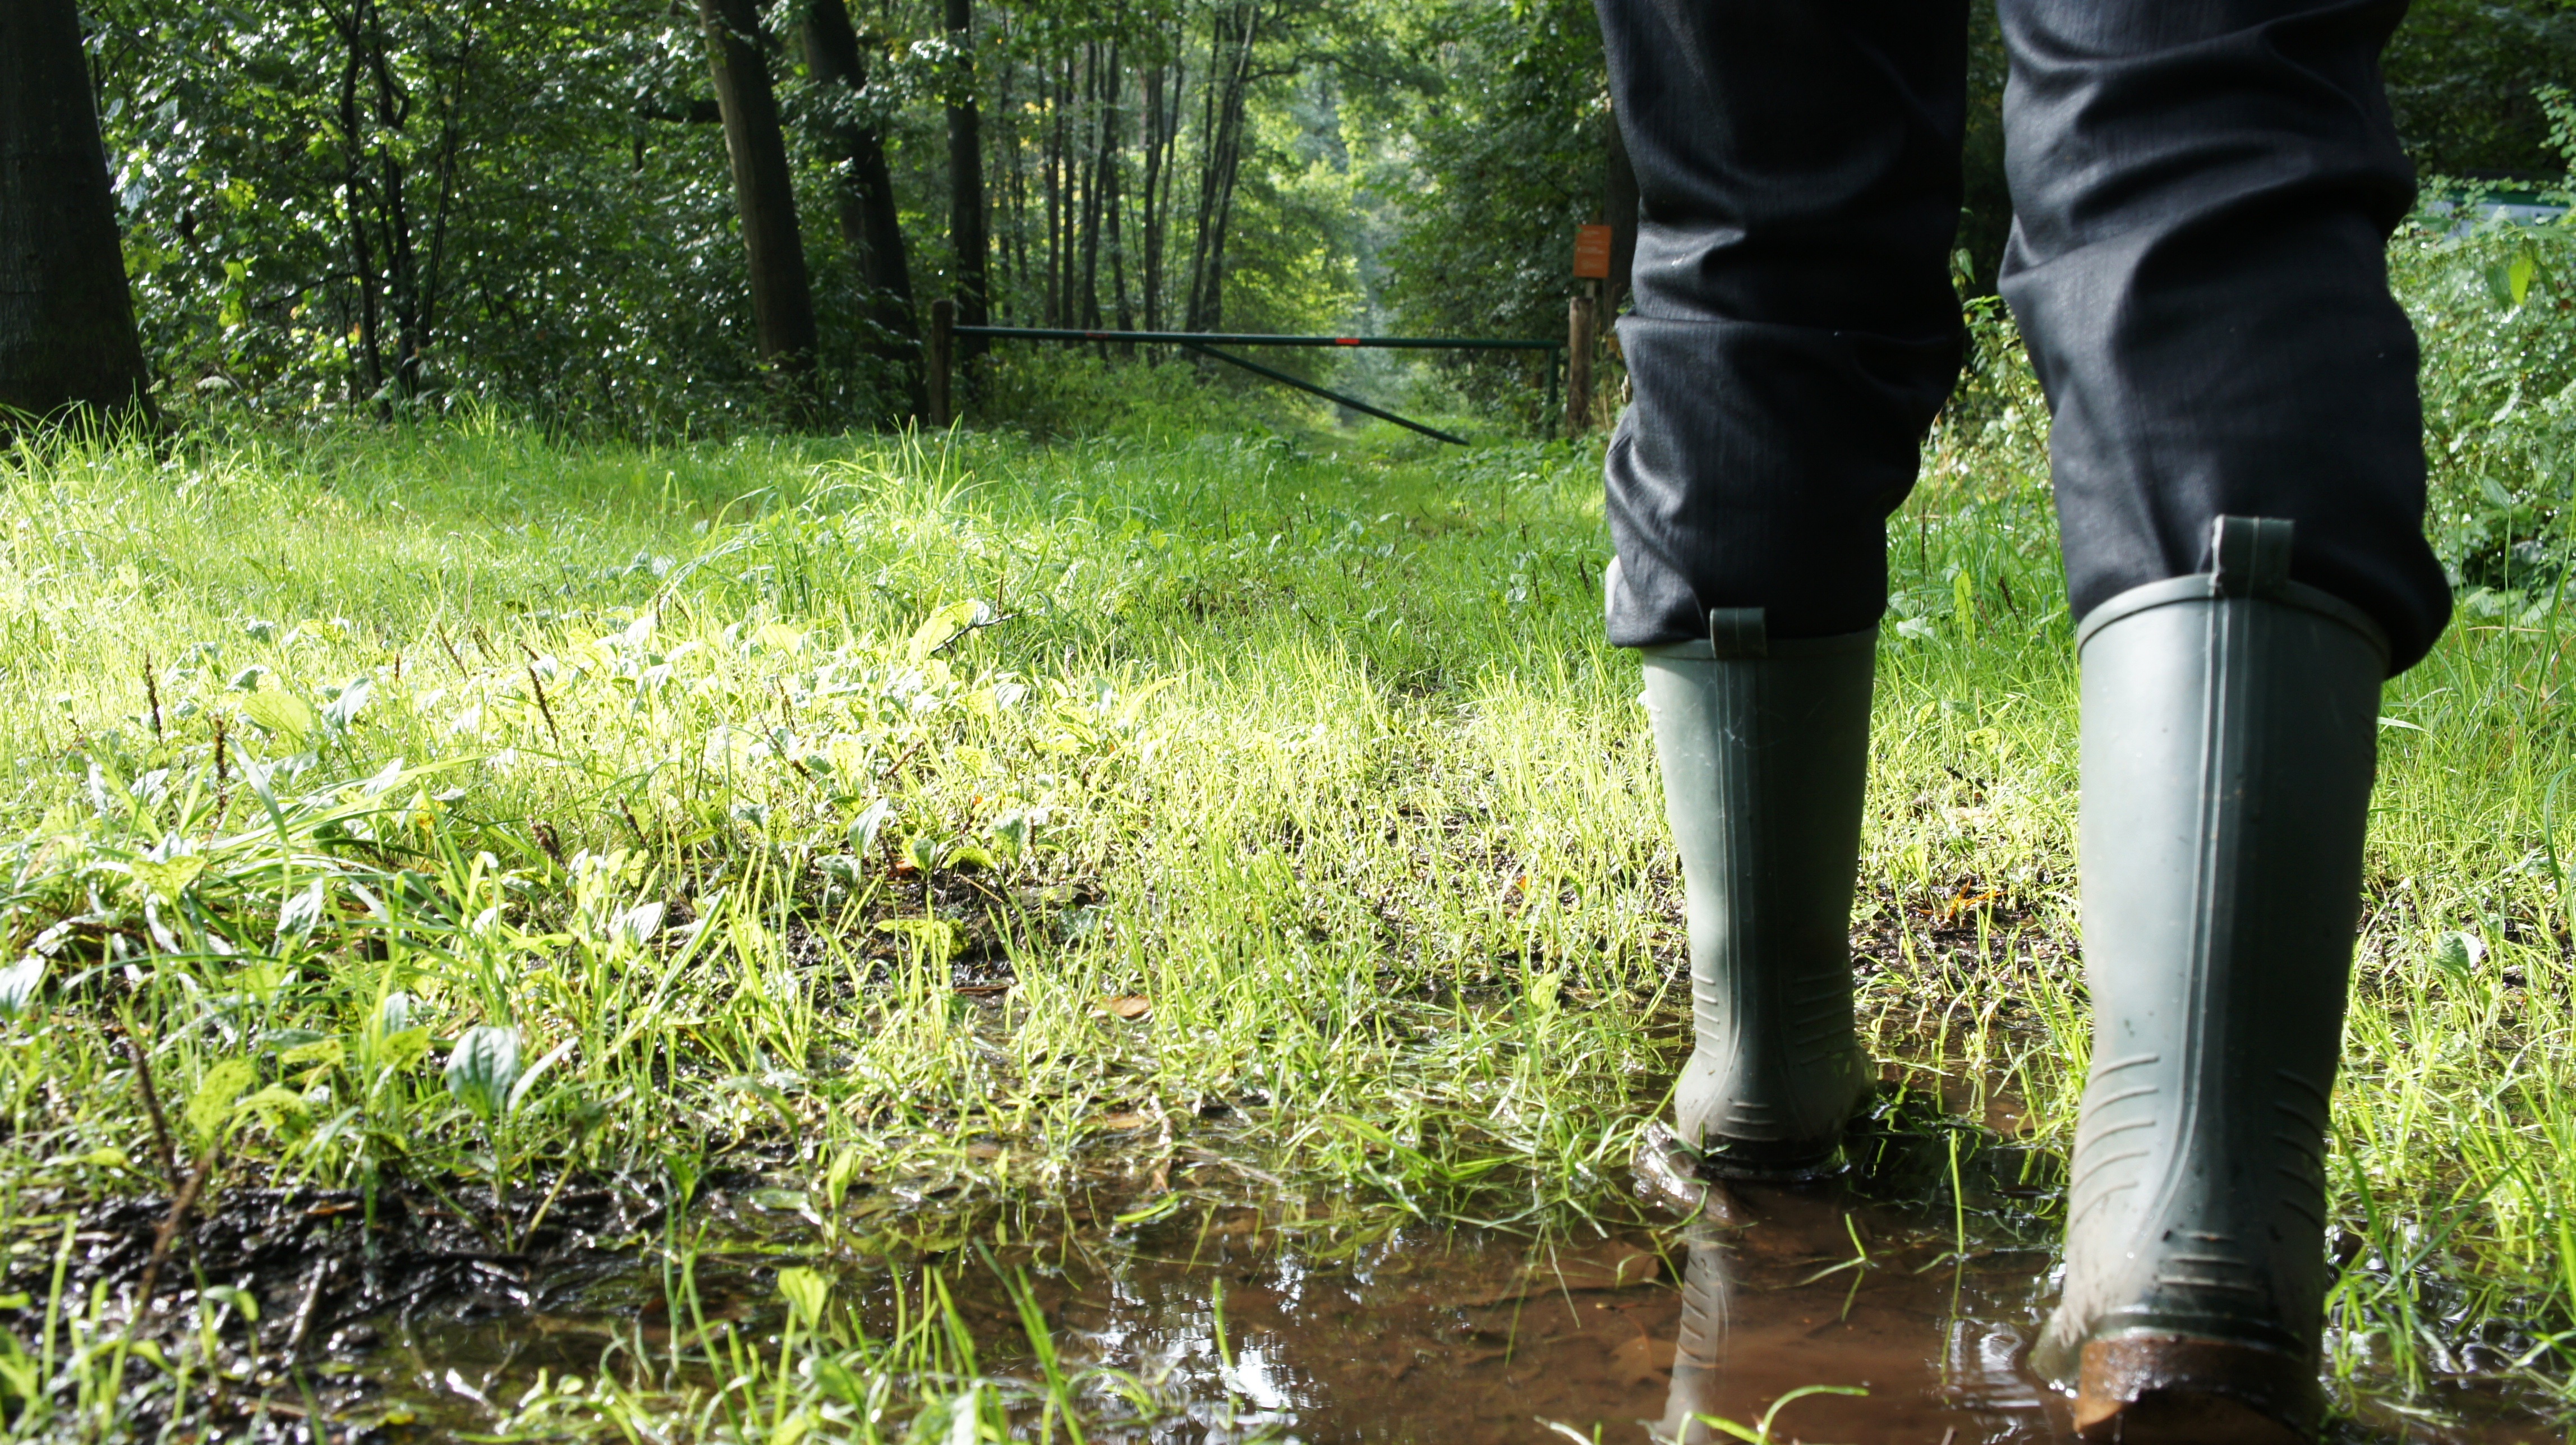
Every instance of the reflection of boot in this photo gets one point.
(1765, 751)
(2229, 731)
(1699, 1352)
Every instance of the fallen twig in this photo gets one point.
(304, 1310)
(152, 1107)
(170, 1225)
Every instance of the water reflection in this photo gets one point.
(1767, 1307)
(1700, 1341)
(1462, 1337)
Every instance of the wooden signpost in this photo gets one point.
(1592, 253)
(1578, 365)
(1583, 324)
(940, 360)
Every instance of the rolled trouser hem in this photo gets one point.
(1757, 467)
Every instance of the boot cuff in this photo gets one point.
(2249, 559)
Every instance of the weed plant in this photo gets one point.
(938, 829)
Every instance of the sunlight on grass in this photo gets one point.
(976, 824)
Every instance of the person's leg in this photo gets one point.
(1795, 331)
(2202, 195)
(2202, 198)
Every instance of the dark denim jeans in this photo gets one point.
(2203, 190)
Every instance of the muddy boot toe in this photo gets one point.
(2178, 1390)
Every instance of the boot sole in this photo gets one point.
(2183, 1390)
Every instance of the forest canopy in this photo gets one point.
(371, 205)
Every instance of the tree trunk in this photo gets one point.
(869, 224)
(1221, 158)
(1095, 92)
(1062, 222)
(1050, 172)
(782, 302)
(1223, 165)
(1620, 200)
(966, 184)
(393, 114)
(1015, 185)
(67, 337)
(1151, 283)
(1208, 89)
(1111, 195)
(448, 137)
(1158, 267)
(353, 190)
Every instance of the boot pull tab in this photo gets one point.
(1738, 632)
(2249, 556)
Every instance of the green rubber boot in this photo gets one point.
(2229, 738)
(1765, 752)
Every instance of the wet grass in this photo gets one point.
(445, 859)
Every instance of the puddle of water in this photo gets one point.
(1456, 1335)
(1913, 1316)
(1464, 1336)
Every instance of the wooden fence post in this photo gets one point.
(1578, 365)
(940, 349)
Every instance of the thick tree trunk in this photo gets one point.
(782, 301)
(966, 184)
(67, 337)
(869, 223)
(1111, 198)
(1619, 198)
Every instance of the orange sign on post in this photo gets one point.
(1592, 252)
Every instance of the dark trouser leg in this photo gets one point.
(1795, 328)
(2203, 193)
(1798, 173)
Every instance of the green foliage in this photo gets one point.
(1289, 780)
(2495, 310)
(1759, 1433)
(395, 207)
(499, 195)
(482, 1068)
(1066, 391)
(2494, 304)
(1509, 155)
(398, 208)
(2463, 83)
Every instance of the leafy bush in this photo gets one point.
(2494, 309)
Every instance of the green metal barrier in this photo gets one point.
(1204, 343)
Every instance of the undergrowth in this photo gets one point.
(455, 827)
